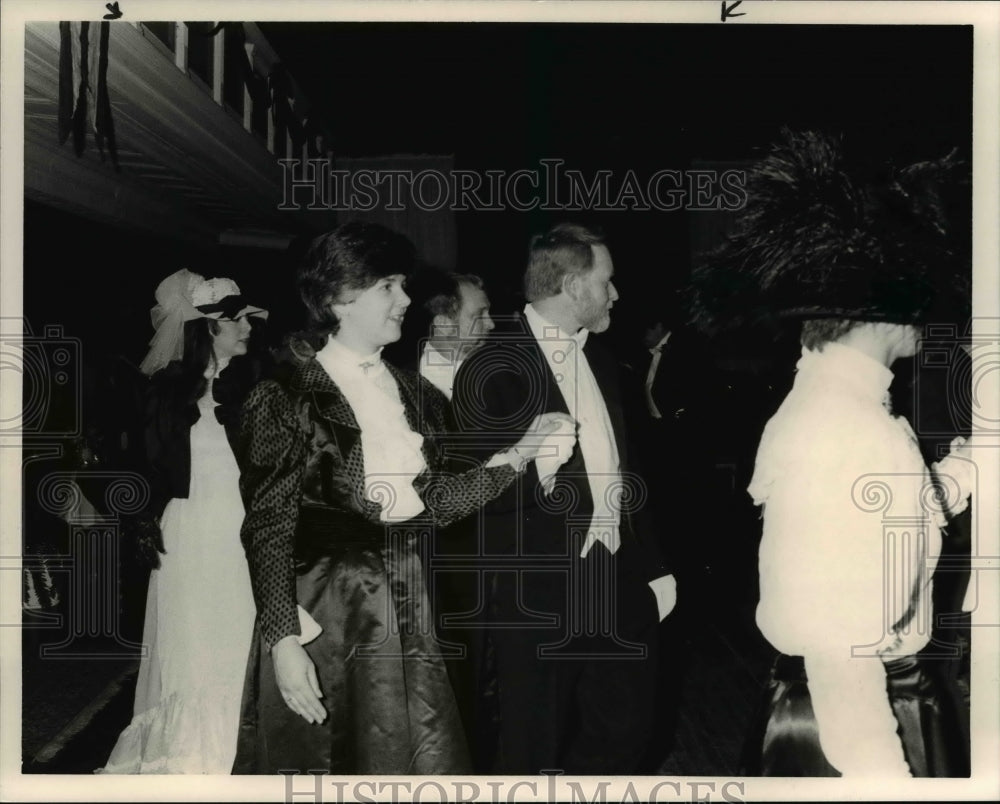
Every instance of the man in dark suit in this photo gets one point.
(574, 584)
(671, 421)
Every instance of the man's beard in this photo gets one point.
(594, 317)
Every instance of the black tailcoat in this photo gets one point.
(573, 638)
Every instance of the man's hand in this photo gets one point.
(555, 448)
(295, 674)
(542, 426)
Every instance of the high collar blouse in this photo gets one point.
(392, 451)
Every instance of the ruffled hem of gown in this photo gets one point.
(193, 733)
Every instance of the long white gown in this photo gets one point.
(199, 621)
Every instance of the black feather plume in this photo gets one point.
(816, 240)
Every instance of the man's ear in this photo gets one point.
(571, 284)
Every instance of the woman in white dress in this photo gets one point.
(199, 609)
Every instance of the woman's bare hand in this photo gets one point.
(295, 674)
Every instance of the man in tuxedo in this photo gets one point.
(670, 417)
(448, 319)
(574, 584)
(459, 312)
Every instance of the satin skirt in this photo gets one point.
(784, 739)
(391, 708)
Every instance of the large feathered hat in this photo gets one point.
(818, 239)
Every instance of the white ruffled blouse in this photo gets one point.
(392, 451)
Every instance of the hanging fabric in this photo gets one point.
(84, 100)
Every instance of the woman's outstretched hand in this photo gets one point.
(295, 674)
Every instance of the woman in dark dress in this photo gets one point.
(344, 474)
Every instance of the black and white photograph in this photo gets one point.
(495, 401)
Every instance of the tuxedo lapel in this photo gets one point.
(556, 401)
(605, 372)
(533, 384)
(660, 388)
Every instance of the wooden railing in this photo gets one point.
(215, 75)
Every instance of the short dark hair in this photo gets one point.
(448, 300)
(564, 249)
(354, 256)
(817, 332)
(434, 291)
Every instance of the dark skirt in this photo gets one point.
(784, 739)
(391, 709)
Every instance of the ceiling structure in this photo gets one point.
(188, 163)
(599, 96)
(613, 97)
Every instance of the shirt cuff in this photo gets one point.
(665, 590)
(308, 626)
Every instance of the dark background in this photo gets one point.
(502, 96)
(625, 96)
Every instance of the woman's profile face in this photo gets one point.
(371, 318)
(231, 338)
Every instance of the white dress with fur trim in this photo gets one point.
(199, 621)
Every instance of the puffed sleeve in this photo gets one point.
(167, 423)
(155, 434)
(271, 454)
